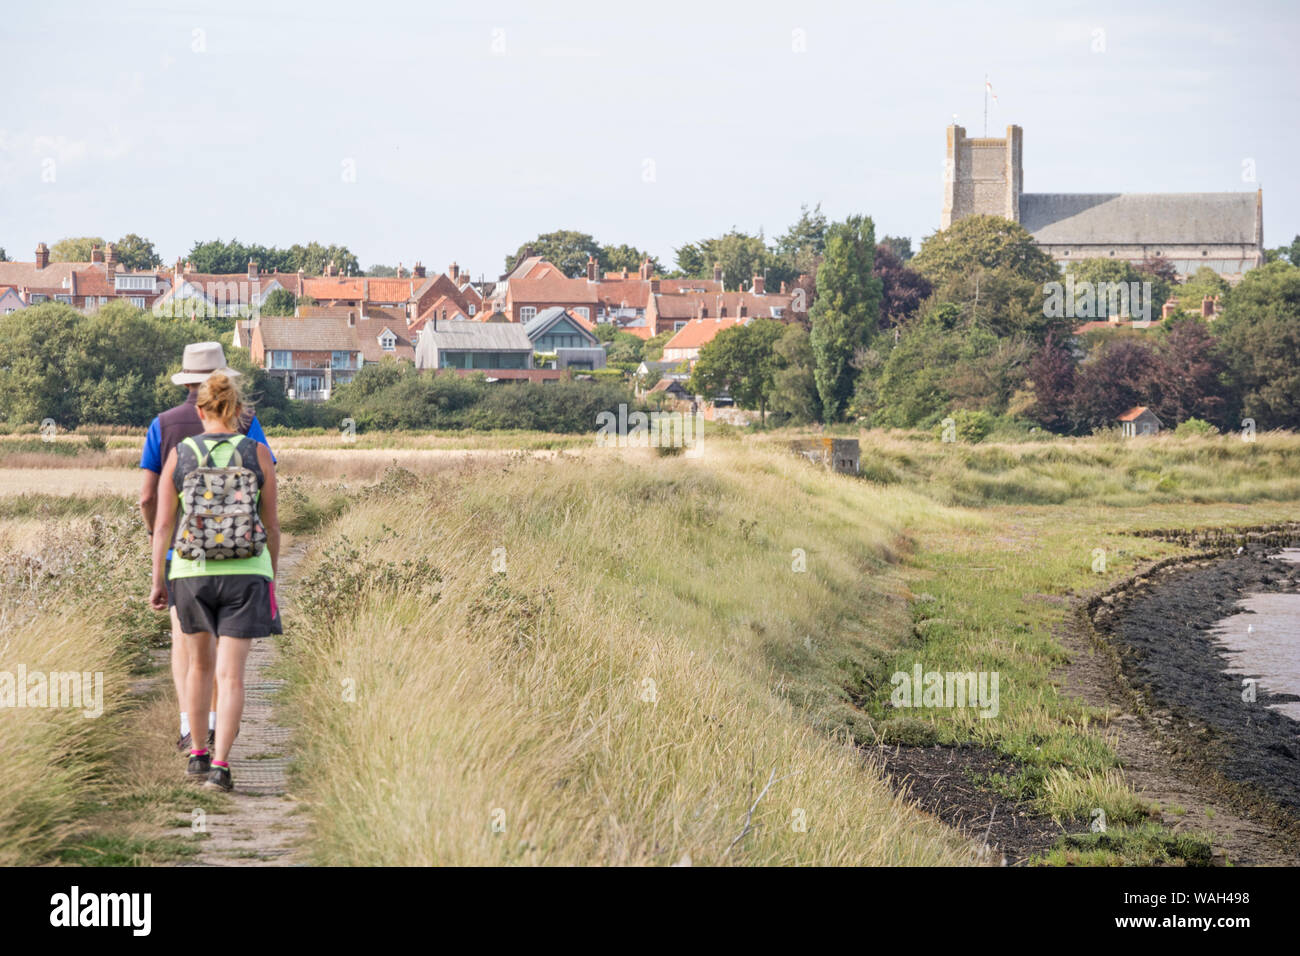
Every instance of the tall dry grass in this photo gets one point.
(62, 610)
(621, 694)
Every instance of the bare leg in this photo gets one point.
(180, 661)
(232, 653)
(202, 655)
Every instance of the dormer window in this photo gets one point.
(388, 341)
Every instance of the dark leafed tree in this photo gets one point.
(983, 242)
(1187, 380)
(902, 289)
(900, 246)
(1114, 379)
(1052, 373)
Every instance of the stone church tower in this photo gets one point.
(1221, 231)
(982, 176)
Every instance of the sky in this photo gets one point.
(457, 131)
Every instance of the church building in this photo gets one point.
(1224, 231)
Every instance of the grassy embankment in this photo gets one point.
(522, 692)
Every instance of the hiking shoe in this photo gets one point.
(219, 779)
(200, 765)
(183, 743)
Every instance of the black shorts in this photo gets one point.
(225, 605)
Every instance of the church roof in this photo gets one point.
(1140, 218)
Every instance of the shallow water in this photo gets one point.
(1266, 643)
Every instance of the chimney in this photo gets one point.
(717, 272)
(453, 270)
(399, 270)
(96, 253)
(626, 274)
(110, 258)
(592, 266)
(645, 268)
(783, 287)
(759, 285)
(42, 255)
(1207, 308)
(654, 286)
(418, 271)
(252, 270)
(1170, 306)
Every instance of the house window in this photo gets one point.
(280, 359)
(584, 312)
(340, 360)
(38, 297)
(472, 308)
(135, 282)
(388, 342)
(137, 301)
(65, 299)
(527, 313)
(103, 300)
(777, 311)
(678, 326)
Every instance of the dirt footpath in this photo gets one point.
(264, 826)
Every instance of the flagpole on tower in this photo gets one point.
(986, 105)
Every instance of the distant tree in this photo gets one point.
(381, 271)
(742, 362)
(279, 302)
(1115, 378)
(313, 257)
(902, 289)
(690, 261)
(1120, 271)
(847, 310)
(3, 256)
(1204, 282)
(1052, 374)
(1187, 380)
(567, 249)
(741, 256)
(799, 248)
(654, 346)
(617, 258)
(900, 246)
(987, 243)
(136, 252)
(1260, 334)
(75, 249)
(794, 388)
(217, 256)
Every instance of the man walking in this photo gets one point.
(166, 432)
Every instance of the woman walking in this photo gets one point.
(220, 516)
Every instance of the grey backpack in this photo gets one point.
(220, 506)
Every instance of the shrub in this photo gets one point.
(1195, 426)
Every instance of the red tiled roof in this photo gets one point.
(553, 288)
(1134, 413)
(700, 332)
(328, 288)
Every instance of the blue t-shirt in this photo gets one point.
(151, 459)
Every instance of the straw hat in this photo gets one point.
(201, 360)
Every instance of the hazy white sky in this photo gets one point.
(440, 131)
